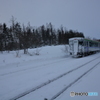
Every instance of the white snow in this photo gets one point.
(20, 74)
(89, 83)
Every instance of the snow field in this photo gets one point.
(89, 83)
(53, 88)
(18, 75)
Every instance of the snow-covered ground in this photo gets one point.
(20, 74)
(89, 83)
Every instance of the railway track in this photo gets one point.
(64, 89)
(56, 78)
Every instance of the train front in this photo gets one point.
(74, 47)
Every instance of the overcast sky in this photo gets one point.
(79, 15)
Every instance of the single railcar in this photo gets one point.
(80, 46)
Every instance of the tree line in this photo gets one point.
(17, 37)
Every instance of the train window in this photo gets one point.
(90, 44)
(95, 44)
(80, 42)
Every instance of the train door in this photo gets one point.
(86, 48)
(71, 46)
(75, 47)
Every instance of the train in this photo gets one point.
(79, 46)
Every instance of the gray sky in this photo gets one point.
(79, 15)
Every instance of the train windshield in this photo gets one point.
(80, 42)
